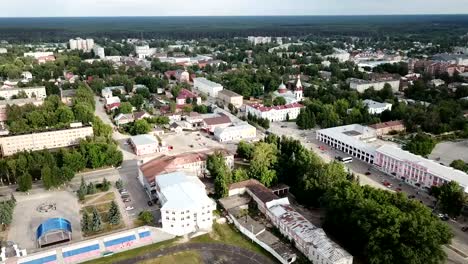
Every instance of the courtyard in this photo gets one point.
(32, 210)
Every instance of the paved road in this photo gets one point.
(210, 253)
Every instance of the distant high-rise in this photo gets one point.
(82, 44)
(259, 40)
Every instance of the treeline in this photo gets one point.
(57, 168)
(375, 225)
(6, 212)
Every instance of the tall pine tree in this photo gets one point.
(96, 224)
(114, 214)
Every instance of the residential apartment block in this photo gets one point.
(19, 102)
(82, 44)
(44, 140)
(206, 86)
(32, 92)
(185, 207)
(275, 113)
(230, 97)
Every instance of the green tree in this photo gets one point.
(146, 217)
(83, 113)
(74, 160)
(47, 178)
(25, 182)
(216, 165)
(96, 221)
(85, 223)
(119, 184)
(239, 175)
(83, 190)
(421, 144)
(65, 115)
(125, 108)
(451, 198)
(91, 188)
(279, 101)
(113, 215)
(459, 165)
(105, 185)
(140, 127)
(264, 158)
(245, 150)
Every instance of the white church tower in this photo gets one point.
(299, 91)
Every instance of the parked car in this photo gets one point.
(367, 173)
(283, 126)
(125, 196)
(411, 196)
(464, 228)
(398, 189)
(123, 190)
(443, 217)
(150, 203)
(129, 208)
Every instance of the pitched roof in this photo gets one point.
(258, 189)
(263, 108)
(165, 164)
(139, 115)
(387, 124)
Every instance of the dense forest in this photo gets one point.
(60, 29)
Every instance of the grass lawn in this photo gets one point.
(102, 209)
(186, 257)
(133, 253)
(100, 197)
(227, 234)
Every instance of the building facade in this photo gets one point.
(206, 86)
(230, 97)
(275, 113)
(145, 144)
(237, 132)
(376, 108)
(185, 207)
(44, 140)
(81, 44)
(387, 127)
(361, 85)
(99, 51)
(32, 92)
(416, 170)
(350, 139)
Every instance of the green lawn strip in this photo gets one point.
(133, 253)
(227, 234)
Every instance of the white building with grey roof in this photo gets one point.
(185, 207)
(206, 86)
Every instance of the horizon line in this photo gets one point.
(318, 15)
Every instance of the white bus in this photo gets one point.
(347, 160)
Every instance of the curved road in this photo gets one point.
(209, 252)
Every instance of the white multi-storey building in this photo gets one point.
(416, 170)
(275, 113)
(206, 86)
(351, 139)
(99, 51)
(44, 140)
(82, 44)
(341, 55)
(185, 207)
(362, 85)
(237, 132)
(31, 92)
(144, 51)
(376, 108)
(259, 40)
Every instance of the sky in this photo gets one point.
(66, 8)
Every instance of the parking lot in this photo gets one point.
(448, 151)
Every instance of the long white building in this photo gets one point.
(206, 86)
(361, 85)
(275, 113)
(237, 132)
(185, 207)
(376, 108)
(416, 170)
(44, 140)
(31, 92)
(351, 139)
